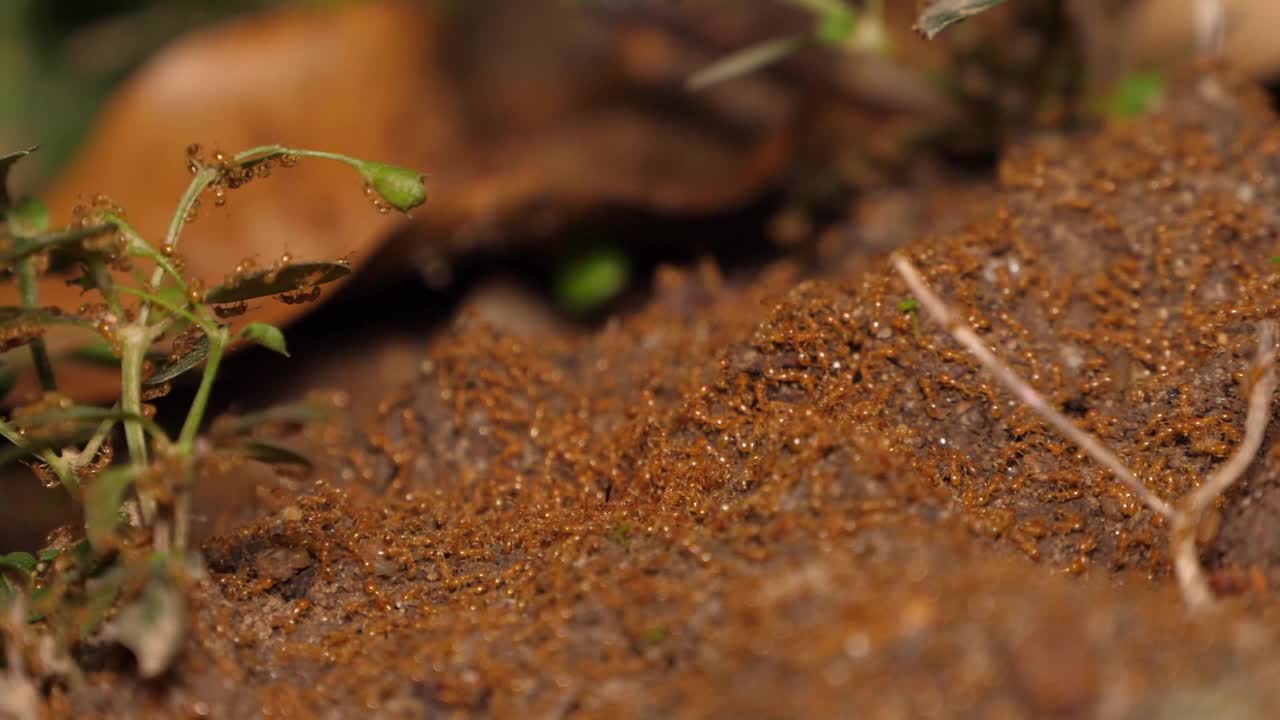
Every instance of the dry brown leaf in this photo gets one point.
(556, 123)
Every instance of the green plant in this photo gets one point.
(122, 580)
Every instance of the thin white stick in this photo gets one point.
(1185, 518)
(1021, 390)
(1210, 20)
(1186, 560)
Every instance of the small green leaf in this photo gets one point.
(153, 626)
(264, 283)
(170, 369)
(272, 454)
(401, 188)
(836, 27)
(938, 14)
(49, 554)
(267, 335)
(587, 282)
(24, 561)
(15, 566)
(102, 511)
(6, 162)
(9, 453)
(1135, 95)
(907, 305)
(28, 217)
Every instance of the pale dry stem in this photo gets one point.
(1185, 517)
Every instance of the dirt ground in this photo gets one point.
(799, 497)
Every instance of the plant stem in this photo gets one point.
(135, 340)
(268, 151)
(106, 285)
(217, 341)
(186, 440)
(140, 247)
(201, 181)
(28, 289)
(65, 474)
(86, 455)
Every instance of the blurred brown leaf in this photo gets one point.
(522, 114)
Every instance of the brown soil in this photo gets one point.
(799, 500)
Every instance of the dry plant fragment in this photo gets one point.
(1184, 516)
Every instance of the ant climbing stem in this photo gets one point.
(1185, 515)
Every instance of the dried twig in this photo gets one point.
(1186, 562)
(1210, 20)
(1184, 518)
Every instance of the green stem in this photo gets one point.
(141, 248)
(29, 292)
(106, 285)
(195, 415)
(176, 310)
(135, 341)
(65, 474)
(86, 455)
(186, 441)
(203, 178)
(270, 151)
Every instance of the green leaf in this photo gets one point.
(267, 335)
(6, 162)
(1135, 95)
(273, 454)
(938, 14)
(23, 561)
(102, 510)
(169, 370)
(10, 453)
(586, 282)
(22, 246)
(835, 27)
(746, 61)
(49, 554)
(19, 564)
(89, 415)
(264, 283)
(28, 217)
(153, 626)
(13, 318)
(907, 305)
(401, 188)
